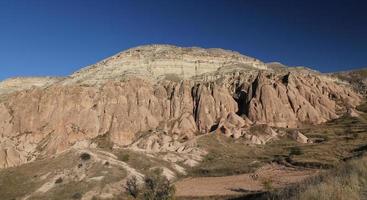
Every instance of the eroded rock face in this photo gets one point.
(286, 101)
(212, 102)
(10, 156)
(43, 121)
(57, 117)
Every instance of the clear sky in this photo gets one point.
(49, 37)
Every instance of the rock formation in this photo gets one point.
(287, 100)
(162, 61)
(17, 84)
(299, 137)
(233, 126)
(226, 93)
(356, 78)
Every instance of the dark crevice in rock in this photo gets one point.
(241, 98)
(214, 127)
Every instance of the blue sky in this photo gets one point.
(56, 38)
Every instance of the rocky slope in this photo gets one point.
(357, 78)
(178, 92)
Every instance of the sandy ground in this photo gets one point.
(275, 175)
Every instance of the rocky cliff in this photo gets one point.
(133, 93)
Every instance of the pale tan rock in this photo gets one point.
(191, 162)
(255, 139)
(23, 83)
(162, 61)
(299, 137)
(232, 126)
(353, 112)
(185, 126)
(260, 134)
(296, 98)
(170, 175)
(10, 156)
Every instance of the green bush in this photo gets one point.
(124, 157)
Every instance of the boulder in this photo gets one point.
(353, 112)
(261, 134)
(232, 126)
(299, 137)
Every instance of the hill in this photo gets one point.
(189, 111)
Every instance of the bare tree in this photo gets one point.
(156, 187)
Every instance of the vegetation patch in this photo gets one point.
(85, 156)
(155, 187)
(141, 161)
(59, 180)
(338, 140)
(347, 181)
(227, 156)
(104, 142)
(17, 182)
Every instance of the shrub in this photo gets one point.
(295, 151)
(85, 156)
(210, 157)
(125, 157)
(132, 187)
(77, 196)
(156, 187)
(267, 184)
(59, 180)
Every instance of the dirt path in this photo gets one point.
(270, 175)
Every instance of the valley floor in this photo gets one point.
(267, 177)
(334, 167)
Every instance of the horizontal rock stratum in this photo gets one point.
(161, 61)
(182, 92)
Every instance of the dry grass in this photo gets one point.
(140, 161)
(347, 181)
(229, 157)
(335, 141)
(17, 182)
